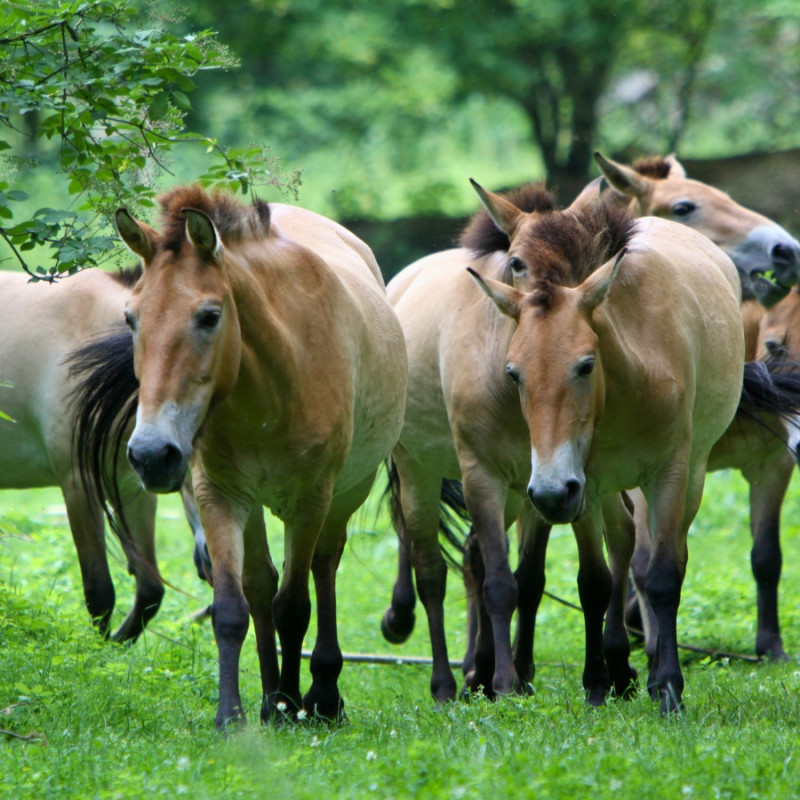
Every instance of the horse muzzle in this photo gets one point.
(558, 503)
(160, 465)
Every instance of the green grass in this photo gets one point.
(114, 722)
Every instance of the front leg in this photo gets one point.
(291, 608)
(620, 536)
(594, 589)
(223, 524)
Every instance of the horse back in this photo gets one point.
(672, 342)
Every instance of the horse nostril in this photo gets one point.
(133, 460)
(171, 458)
(784, 254)
(573, 490)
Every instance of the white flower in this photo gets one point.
(315, 741)
(281, 706)
(183, 763)
(393, 734)
(371, 755)
(301, 714)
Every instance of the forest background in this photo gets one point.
(378, 115)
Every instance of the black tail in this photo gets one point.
(103, 405)
(453, 515)
(771, 393)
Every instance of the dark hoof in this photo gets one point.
(627, 686)
(397, 625)
(596, 698)
(277, 709)
(773, 650)
(328, 709)
(671, 702)
(231, 724)
(474, 684)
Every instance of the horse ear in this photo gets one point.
(625, 180)
(504, 213)
(202, 233)
(505, 297)
(594, 290)
(138, 237)
(676, 169)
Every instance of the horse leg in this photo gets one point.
(323, 698)
(230, 613)
(620, 535)
(418, 524)
(639, 563)
(768, 486)
(473, 583)
(397, 623)
(202, 561)
(485, 497)
(259, 584)
(88, 533)
(291, 608)
(140, 513)
(594, 589)
(530, 576)
(674, 498)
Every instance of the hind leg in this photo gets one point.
(398, 621)
(88, 533)
(419, 494)
(485, 496)
(140, 513)
(768, 486)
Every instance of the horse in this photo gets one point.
(660, 187)
(443, 346)
(766, 256)
(626, 380)
(42, 327)
(270, 365)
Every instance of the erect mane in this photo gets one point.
(565, 248)
(654, 167)
(483, 237)
(128, 276)
(234, 220)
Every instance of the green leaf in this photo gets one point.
(158, 107)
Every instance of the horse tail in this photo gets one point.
(771, 394)
(103, 406)
(453, 515)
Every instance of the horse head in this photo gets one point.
(186, 340)
(766, 256)
(554, 360)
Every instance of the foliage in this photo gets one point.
(118, 722)
(108, 88)
(557, 77)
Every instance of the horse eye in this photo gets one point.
(208, 318)
(517, 265)
(513, 373)
(585, 367)
(683, 208)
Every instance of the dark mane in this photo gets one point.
(483, 237)
(128, 276)
(234, 221)
(565, 248)
(654, 167)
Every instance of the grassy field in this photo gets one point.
(110, 721)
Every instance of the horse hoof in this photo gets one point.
(397, 625)
(627, 686)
